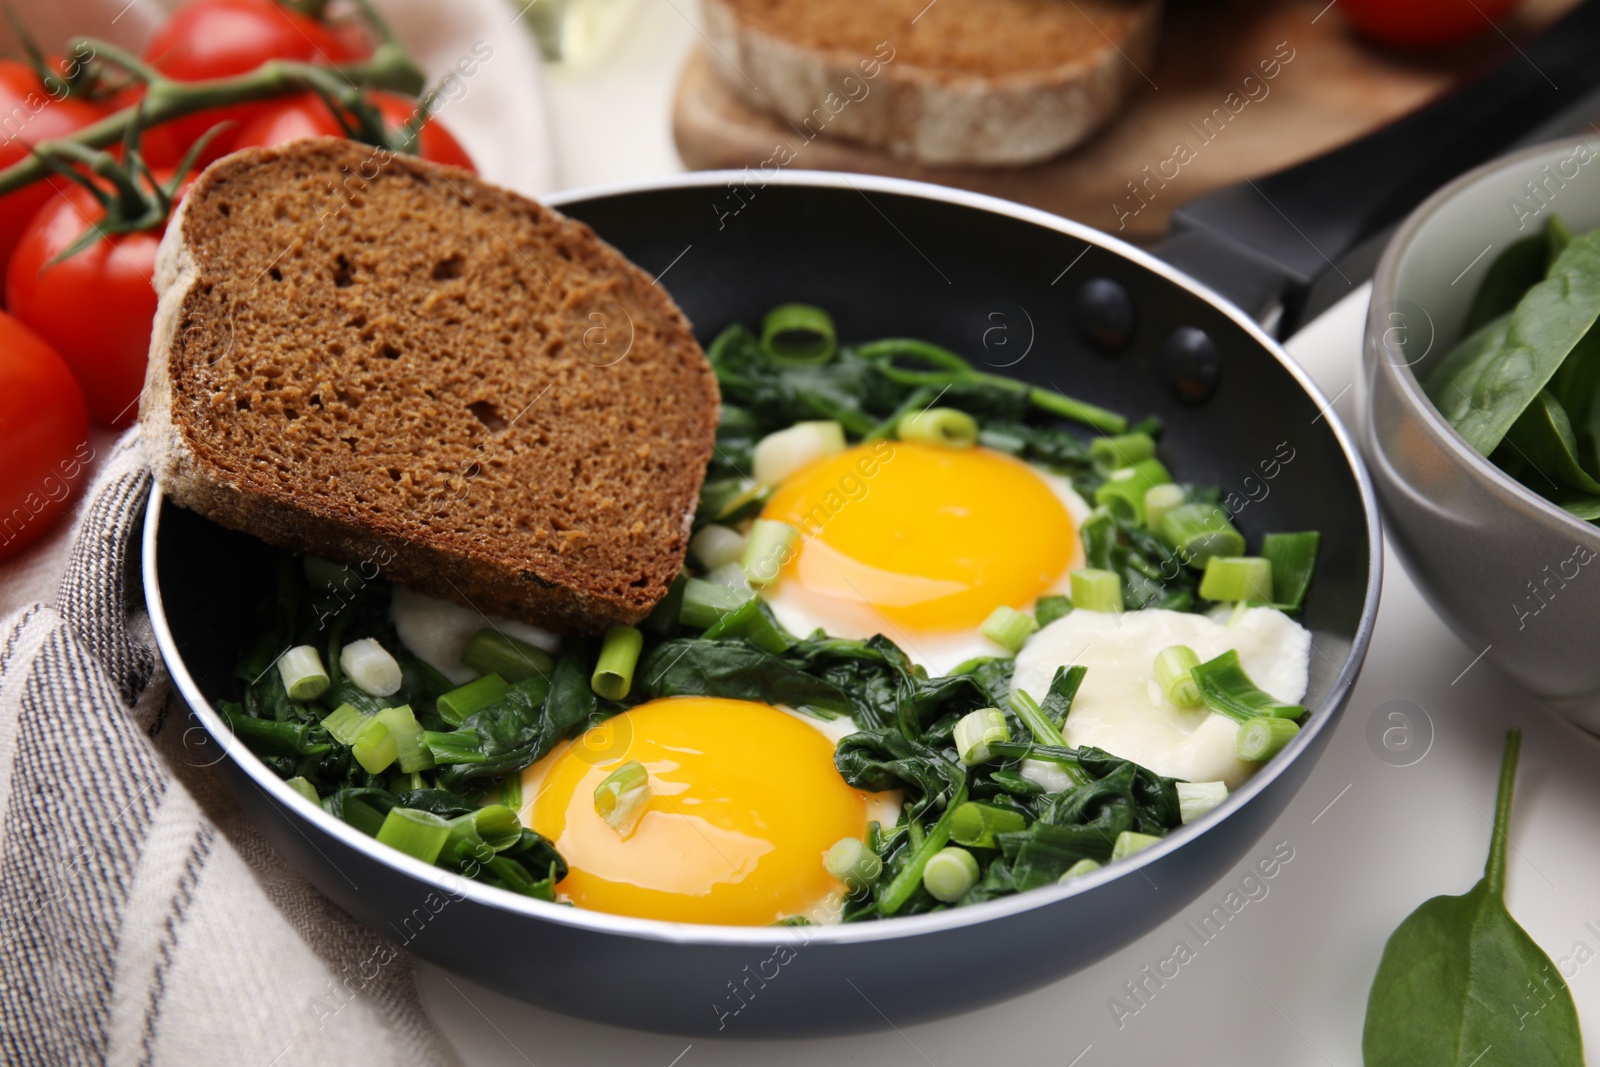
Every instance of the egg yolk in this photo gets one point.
(745, 800)
(931, 538)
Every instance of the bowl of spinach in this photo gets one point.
(1482, 364)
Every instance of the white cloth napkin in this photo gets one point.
(143, 920)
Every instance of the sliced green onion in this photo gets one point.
(622, 797)
(770, 546)
(304, 788)
(392, 735)
(401, 782)
(1228, 690)
(1096, 590)
(1078, 870)
(704, 603)
(1123, 450)
(411, 748)
(375, 747)
(900, 890)
(1294, 558)
(1128, 843)
(345, 723)
(368, 664)
(798, 334)
(497, 825)
(976, 731)
(455, 706)
(1008, 627)
(716, 545)
(478, 835)
(975, 823)
(417, 833)
(949, 873)
(1237, 578)
(1197, 798)
(619, 655)
(511, 791)
(1172, 675)
(752, 622)
(1050, 608)
(1033, 717)
(454, 746)
(945, 427)
(1262, 738)
(731, 575)
(1159, 500)
(303, 675)
(1200, 531)
(492, 652)
(732, 500)
(1123, 492)
(778, 456)
(853, 863)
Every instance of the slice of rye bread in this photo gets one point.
(977, 82)
(393, 363)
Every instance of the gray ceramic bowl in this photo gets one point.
(889, 257)
(1513, 574)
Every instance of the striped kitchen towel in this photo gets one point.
(142, 919)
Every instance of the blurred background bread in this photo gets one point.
(987, 82)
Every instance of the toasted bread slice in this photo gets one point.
(396, 364)
(982, 82)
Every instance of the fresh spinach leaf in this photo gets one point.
(1489, 391)
(1514, 271)
(1543, 438)
(1461, 981)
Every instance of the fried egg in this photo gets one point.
(745, 800)
(921, 543)
(1120, 707)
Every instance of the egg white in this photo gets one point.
(1121, 708)
(437, 631)
(802, 611)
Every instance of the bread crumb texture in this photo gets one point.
(400, 348)
(977, 38)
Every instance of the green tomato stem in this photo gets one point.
(388, 68)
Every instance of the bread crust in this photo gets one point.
(403, 550)
(926, 114)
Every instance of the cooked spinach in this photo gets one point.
(1460, 978)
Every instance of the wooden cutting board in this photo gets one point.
(1334, 88)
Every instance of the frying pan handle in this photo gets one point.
(1264, 242)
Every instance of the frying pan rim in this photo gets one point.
(438, 878)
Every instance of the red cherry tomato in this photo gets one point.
(1424, 23)
(308, 116)
(30, 115)
(95, 307)
(221, 38)
(46, 435)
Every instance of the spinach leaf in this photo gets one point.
(1543, 437)
(1516, 270)
(531, 719)
(1489, 389)
(1460, 977)
(737, 671)
(876, 760)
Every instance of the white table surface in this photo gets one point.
(1286, 982)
